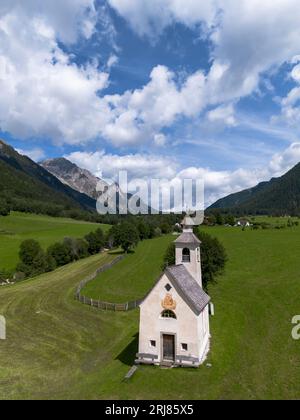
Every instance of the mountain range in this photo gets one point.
(279, 196)
(27, 186)
(58, 186)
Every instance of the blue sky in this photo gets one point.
(162, 88)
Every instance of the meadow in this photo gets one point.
(131, 278)
(47, 230)
(57, 348)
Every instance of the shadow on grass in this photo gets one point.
(128, 355)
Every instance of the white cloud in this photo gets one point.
(224, 115)
(218, 184)
(37, 154)
(68, 19)
(137, 165)
(290, 109)
(282, 162)
(138, 116)
(42, 92)
(160, 140)
(112, 61)
(248, 37)
(150, 17)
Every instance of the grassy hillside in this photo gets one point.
(134, 276)
(19, 226)
(58, 348)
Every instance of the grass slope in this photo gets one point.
(58, 348)
(19, 226)
(132, 278)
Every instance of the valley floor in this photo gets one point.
(57, 348)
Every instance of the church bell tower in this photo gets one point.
(188, 250)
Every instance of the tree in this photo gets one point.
(79, 248)
(166, 228)
(4, 208)
(33, 259)
(144, 230)
(230, 220)
(82, 248)
(61, 253)
(125, 235)
(96, 241)
(219, 219)
(213, 258)
(169, 258)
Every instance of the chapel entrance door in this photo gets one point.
(169, 348)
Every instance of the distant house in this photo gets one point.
(243, 223)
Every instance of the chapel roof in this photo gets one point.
(188, 238)
(188, 288)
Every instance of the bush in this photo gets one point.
(5, 275)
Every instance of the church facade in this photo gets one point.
(174, 316)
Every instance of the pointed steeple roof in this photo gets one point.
(188, 237)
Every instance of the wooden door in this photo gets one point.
(169, 347)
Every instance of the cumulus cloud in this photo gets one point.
(108, 165)
(150, 17)
(68, 19)
(45, 94)
(248, 37)
(42, 92)
(139, 115)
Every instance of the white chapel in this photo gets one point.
(174, 316)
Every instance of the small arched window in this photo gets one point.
(168, 314)
(186, 255)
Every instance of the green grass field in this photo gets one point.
(132, 278)
(59, 348)
(19, 226)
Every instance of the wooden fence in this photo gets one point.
(107, 306)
